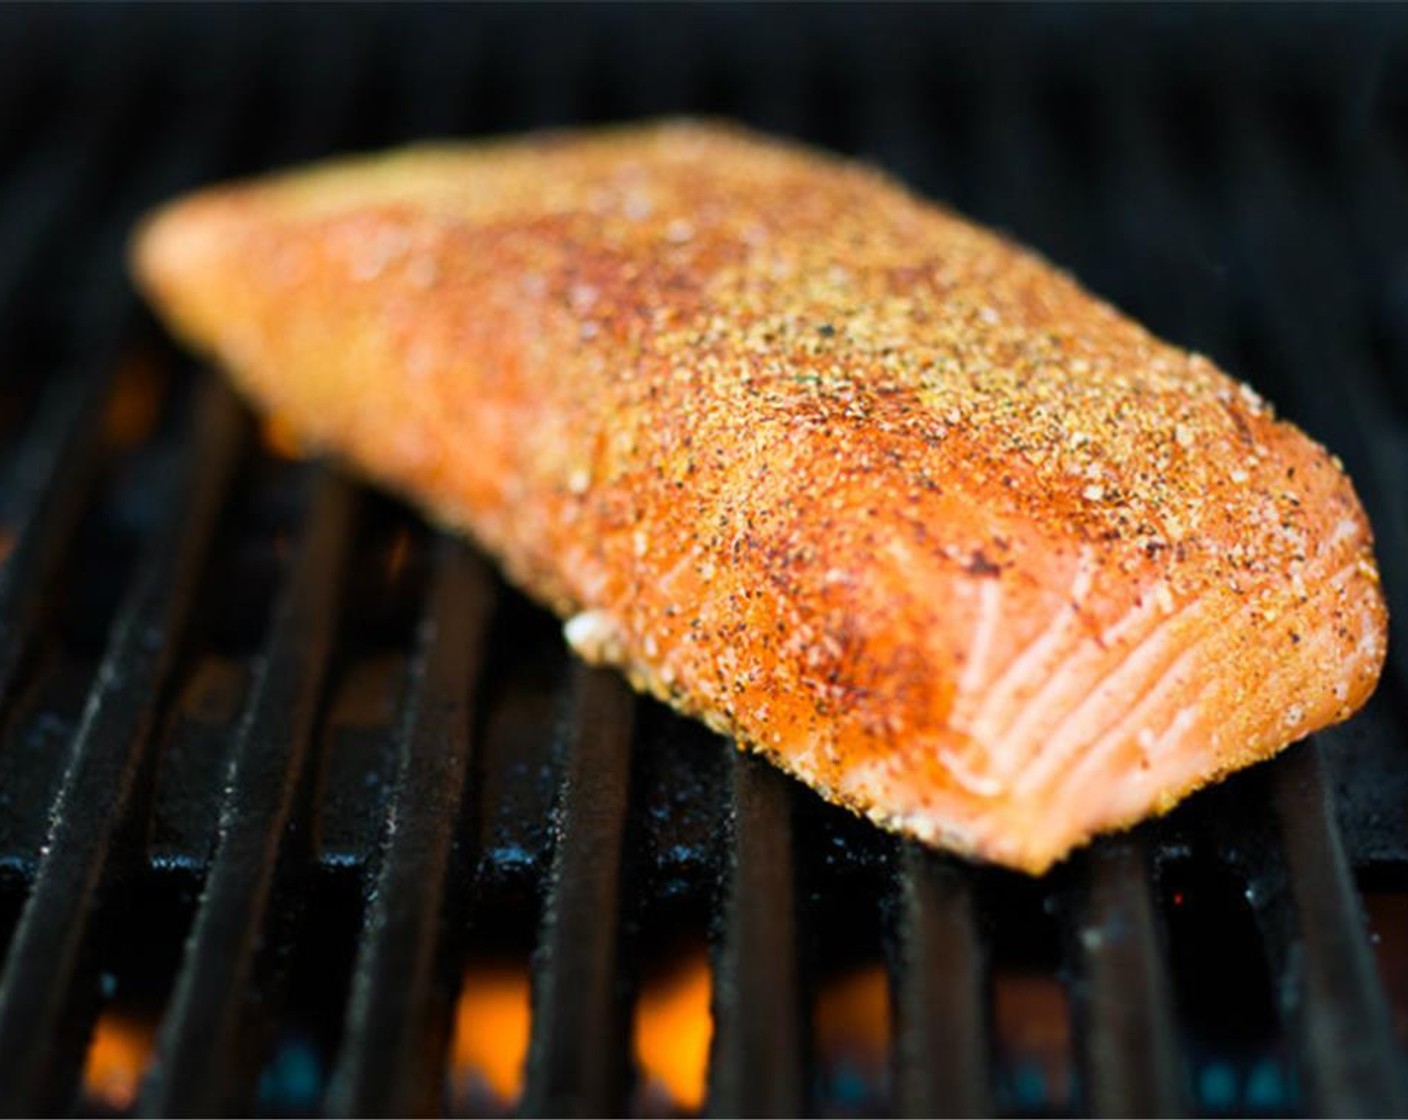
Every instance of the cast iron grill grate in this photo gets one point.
(280, 769)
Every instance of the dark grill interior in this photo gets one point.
(298, 803)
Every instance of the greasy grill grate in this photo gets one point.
(276, 762)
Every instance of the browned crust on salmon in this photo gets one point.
(862, 485)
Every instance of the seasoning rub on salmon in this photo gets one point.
(866, 487)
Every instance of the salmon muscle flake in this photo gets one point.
(862, 485)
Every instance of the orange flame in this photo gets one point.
(1033, 1025)
(135, 404)
(397, 555)
(279, 439)
(1388, 921)
(853, 1019)
(492, 1021)
(673, 1030)
(117, 1059)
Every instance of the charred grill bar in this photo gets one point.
(278, 763)
(387, 1066)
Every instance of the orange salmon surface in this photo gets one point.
(862, 485)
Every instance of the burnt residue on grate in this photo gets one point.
(303, 811)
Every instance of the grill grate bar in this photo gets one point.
(41, 196)
(756, 1058)
(1014, 148)
(24, 108)
(387, 1065)
(49, 488)
(1332, 1000)
(1128, 1042)
(202, 1049)
(1322, 953)
(51, 482)
(1172, 276)
(1130, 1047)
(61, 193)
(1374, 213)
(1300, 267)
(43, 983)
(1331, 997)
(941, 1059)
(577, 1054)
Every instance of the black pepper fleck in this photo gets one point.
(979, 565)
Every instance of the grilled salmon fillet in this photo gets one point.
(868, 488)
